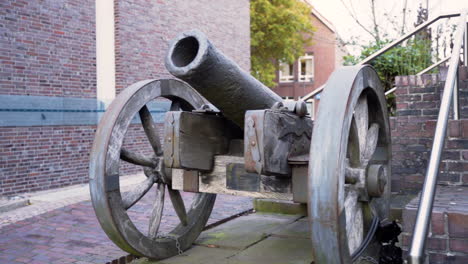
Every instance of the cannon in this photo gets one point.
(227, 133)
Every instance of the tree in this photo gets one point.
(408, 58)
(411, 57)
(279, 31)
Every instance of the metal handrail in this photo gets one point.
(433, 66)
(418, 243)
(422, 72)
(388, 47)
(390, 91)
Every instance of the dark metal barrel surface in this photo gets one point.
(193, 59)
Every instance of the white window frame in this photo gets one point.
(285, 78)
(311, 108)
(306, 77)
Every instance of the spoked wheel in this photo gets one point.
(111, 205)
(349, 169)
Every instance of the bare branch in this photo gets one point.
(354, 17)
(374, 19)
(404, 18)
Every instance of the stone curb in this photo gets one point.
(9, 205)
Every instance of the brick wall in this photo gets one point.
(418, 104)
(323, 48)
(144, 29)
(48, 49)
(448, 233)
(413, 127)
(43, 157)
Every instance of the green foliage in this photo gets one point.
(409, 59)
(279, 31)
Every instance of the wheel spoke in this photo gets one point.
(353, 152)
(371, 142)
(136, 158)
(157, 211)
(150, 130)
(361, 116)
(133, 196)
(354, 220)
(178, 204)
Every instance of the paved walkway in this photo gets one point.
(60, 226)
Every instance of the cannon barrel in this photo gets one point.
(195, 60)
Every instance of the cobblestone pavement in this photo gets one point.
(72, 234)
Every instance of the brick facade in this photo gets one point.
(144, 29)
(323, 49)
(48, 52)
(47, 48)
(448, 233)
(43, 157)
(413, 127)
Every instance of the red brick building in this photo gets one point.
(50, 101)
(313, 69)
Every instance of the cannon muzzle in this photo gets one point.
(195, 60)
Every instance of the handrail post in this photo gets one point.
(456, 105)
(465, 46)
(421, 227)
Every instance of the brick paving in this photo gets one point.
(72, 234)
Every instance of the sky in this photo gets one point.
(387, 10)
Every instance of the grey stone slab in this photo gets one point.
(298, 229)
(276, 250)
(244, 231)
(196, 255)
(18, 110)
(23, 102)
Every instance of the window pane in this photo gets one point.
(306, 68)
(285, 72)
(284, 69)
(309, 67)
(303, 67)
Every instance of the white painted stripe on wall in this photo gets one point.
(105, 51)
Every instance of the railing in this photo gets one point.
(418, 243)
(433, 66)
(389, 46)
(422, 72)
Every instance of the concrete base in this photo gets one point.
(251, 239)
(279, 207)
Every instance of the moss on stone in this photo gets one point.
(279, 207)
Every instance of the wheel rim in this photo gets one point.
(350, 146)
(110, 205)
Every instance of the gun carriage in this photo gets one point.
(228, 133)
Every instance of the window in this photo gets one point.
(306, 68)
(286, 72)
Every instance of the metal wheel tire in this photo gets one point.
(349, 169)
(110, 204)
